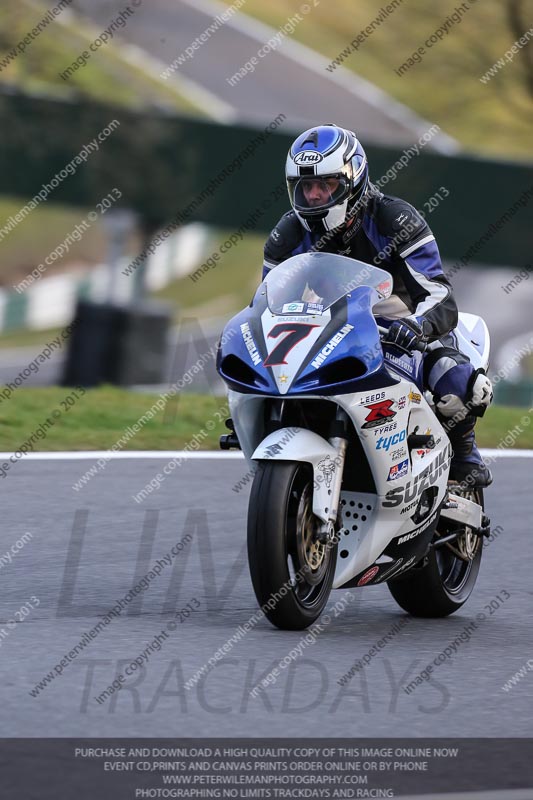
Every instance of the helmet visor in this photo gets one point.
(317, 193)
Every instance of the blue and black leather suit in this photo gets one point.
(392, 234)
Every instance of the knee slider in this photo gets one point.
(450, 405)
(479, 393)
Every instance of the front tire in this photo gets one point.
(445, 581)
(291, 571)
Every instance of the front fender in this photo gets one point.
(300, 444)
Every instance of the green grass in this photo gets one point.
(29, 338)
(107, 77)
(37, 236)
(221, 291)
(226, 288)
(98, 419)
(493, 118)
(499, 421)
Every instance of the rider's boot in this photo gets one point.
(467, 467)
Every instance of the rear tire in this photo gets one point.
(446, 581)
(288, 566)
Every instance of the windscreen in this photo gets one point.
(312, 282)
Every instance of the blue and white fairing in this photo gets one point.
(309, 330)
(310, 335)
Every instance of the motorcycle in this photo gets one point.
(351, 463)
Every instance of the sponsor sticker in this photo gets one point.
(315, 308)
(307, 157)
(250, 344)
(349, 233)
(405, 509)
(384, 286)
(386, 442)
(379, 412)
(414, 397)
(398, 454)
(422, 453)
(371, 398)
(368, 575)
(391, 570)
(408, 536)
(425, 451)
(414, 488)
(408, 563)
(292, 308)
(300, 318)
(419, 530)
(331, 345)
(398, 470)
(407, 217)
(385, 428)
(400, 362)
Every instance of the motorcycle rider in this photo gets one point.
(336, 209)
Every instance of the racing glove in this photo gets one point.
(406, 333)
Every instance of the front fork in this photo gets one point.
(339, 441)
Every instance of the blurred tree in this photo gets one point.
(519, 20)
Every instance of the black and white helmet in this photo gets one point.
(333, 160)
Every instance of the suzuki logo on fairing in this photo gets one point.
(307, 157)
(386, 442)
(331, 345)
(413, 489)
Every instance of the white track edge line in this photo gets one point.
(79, 455)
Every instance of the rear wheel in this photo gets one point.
(447, 576)
(292, 571)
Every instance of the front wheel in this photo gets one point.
(292, 571)
(448, 575)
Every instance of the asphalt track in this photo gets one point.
(89, 548)
(290, 79)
